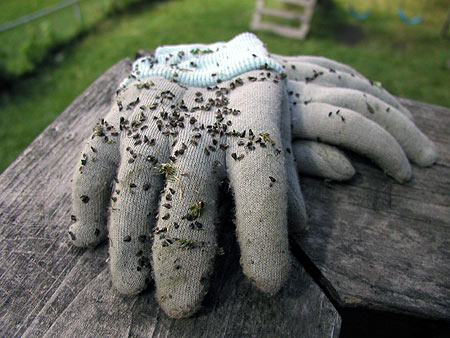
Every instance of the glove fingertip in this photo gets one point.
(85, 237)
(403, 175)
(130, 269)
(178, 311)
(267, 277)
(268, 271)
(181, 304)
(342, 171)
(428, 156)
(182, 278)
(129, 284)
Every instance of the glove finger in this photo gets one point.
(316, 60)
(346, 128)
(132, 213)
(297, 217)
(322, 160)
(415, 144)
(258, 178)
(185, 240)
(92, 183)
(143, 148)
(310, 73)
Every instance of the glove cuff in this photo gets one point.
(205, 65)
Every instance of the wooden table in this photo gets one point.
(376, 251)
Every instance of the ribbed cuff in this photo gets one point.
(205, 65)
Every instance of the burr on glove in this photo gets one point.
(173, 144)
(335, 104)
(325, 81)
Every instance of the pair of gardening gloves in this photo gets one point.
(193, 116)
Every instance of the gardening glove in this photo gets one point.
(315, 158)
(158, 158)
(333, 103)
(210, 64)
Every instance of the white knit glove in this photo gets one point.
(333, 103)
(162, 151)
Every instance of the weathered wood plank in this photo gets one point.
(35, 204)
(384, 246)
(234, 308)
(50, 288)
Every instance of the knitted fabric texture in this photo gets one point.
(333, 103)
(205, 65)
(322, 160)
(165, 148)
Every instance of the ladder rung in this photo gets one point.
(299, 33)
(280, 13)
(293, 32)
(298, 2)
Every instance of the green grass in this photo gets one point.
(24, 47)
(12, 10)
(406, 59)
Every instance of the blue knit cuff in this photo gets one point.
(201, 65)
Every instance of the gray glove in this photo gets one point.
(333, 103)
(161, 152)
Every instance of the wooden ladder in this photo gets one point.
(305, 18)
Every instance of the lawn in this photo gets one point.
(408, 60)
(24, 47)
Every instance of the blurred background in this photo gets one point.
(51, 50)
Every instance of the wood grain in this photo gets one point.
(49, 288)
(379, 245)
